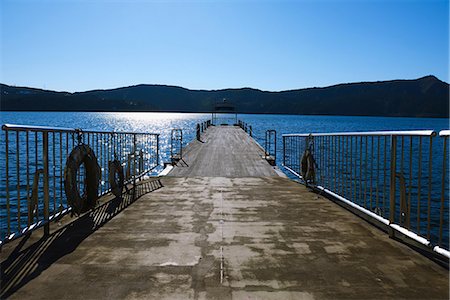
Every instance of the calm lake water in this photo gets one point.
(163, 123)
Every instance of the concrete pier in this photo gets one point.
(212, 230)
(225, 151)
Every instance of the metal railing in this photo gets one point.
(444, 199)
(270, 144)
(201, 128)
(32, 188)
(176, 145)
(224, 117)
(246, 127)
(400, 176)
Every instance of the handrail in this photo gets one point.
(444, 133)
(369, 133)
(270, 144)
(33, 150)
(400, 175)
(15, 127)
(176, 145)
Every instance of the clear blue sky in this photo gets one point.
(270, 45)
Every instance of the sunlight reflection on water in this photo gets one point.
(163, 123)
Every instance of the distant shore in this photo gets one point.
(426, 97)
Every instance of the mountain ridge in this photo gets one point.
(423, 97)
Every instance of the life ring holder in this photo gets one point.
(307, 166)
(116, 177)
(307, 163)
(82, 155)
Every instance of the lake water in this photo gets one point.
(163, 123)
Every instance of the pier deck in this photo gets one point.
(224, 151)
(221, 237)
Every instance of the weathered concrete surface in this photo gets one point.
(240, 238)
(225, 151)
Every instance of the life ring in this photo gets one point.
(307, 167)
(82, 154)
(116, 177)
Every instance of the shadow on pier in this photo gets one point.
(26, 262)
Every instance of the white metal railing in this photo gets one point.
(400, 176)
(33, 193)
(371, 133)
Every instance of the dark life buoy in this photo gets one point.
(116, 177)
(82, 155)
(307, 166)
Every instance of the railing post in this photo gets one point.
(198, 132)
(392, 190)
(265, 145)
(8, 209)
(141, 163)
(134, 166)
(275, 145)
(284, 151)
(181, 143)
(157, 149)
(46, 183)
(441, 215)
